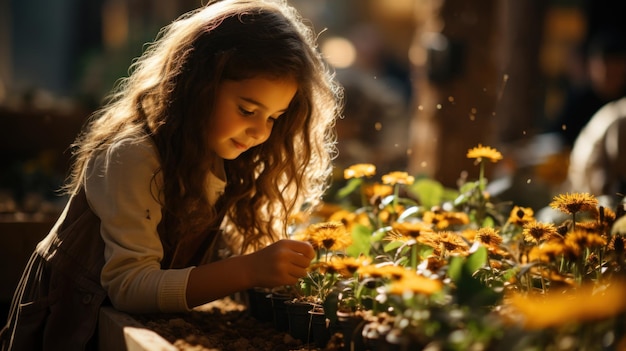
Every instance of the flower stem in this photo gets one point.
(414, 256)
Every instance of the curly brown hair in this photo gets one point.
(169, 96)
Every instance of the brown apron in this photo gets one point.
(56, 303)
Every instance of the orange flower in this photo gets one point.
(574, 203)
(444, 219)
(394, 178)
(359, 170)
(414, 283)
(521, 215)
(557, 309)
(547, 252)
(480, 152)
(452, 243)
(325, 210)
(347, 266)
(489, 237)
(537, 232)
(617, 244)
(579, 240)
(469, 234)
(349, 219)
(377, 190)
(391, 272)
(328, 235)
(405, 231)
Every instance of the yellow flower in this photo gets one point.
(578, 240)
(373, 271)
(547, 252)
(405, 231)
(414, 283)
(469, 234)
(394, 178)
(331, 236)
(432, 263)
(537, 232)
(347, 266)
(325, 210)
(451, 243)
(390, 212)
(349, 219)
(359, 170)
(521, 215)
(444, 219)
(489, 237)
(377, 190)
(617, 244)
(606, 216)
(557, 308)
(574, 203)
(487, 152)
(322, 268)
(391, 272)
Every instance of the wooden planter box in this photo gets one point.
(118, 331)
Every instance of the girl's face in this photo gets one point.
(245, 112)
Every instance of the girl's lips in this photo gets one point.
(240, 145)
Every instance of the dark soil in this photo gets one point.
(223, 325)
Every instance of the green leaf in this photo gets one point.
(352, 185)
(428, 191)
(470, 291)
(393, 245)
(411, 211)
(361, 241)
(509, 273)
(469, 187)
(488, 222)
(455, 268)
(461, 199)
(380, 233)
(476, 260)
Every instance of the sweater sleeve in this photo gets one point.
(120, 189)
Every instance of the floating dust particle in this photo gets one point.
(439, 106)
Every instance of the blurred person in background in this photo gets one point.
(605, 68)
(598, 158)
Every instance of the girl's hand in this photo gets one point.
(281, 263)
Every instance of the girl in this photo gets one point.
(223, 126)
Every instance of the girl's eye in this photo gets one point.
(274, 119)
(245, 112)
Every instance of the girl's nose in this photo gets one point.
(258, 129)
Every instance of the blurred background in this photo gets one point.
(425, 81)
